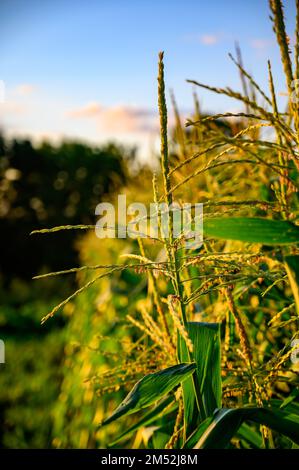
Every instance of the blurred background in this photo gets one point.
(78, 125)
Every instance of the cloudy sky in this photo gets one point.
(87, 68)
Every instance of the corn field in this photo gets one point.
(206, 353)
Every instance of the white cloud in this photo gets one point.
(12, 108)
(16, 100)
(121, 118)
(90, 110)
(24, 89)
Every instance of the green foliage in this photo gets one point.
(252, 230)
(205, 338)
(39, 185)
(223, 311)
(51, 185)
(151, 388)
(148, 418)
(292, 268)
(31, 377)
(225, 423)
(226, 307)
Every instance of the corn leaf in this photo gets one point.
(197, 433)
(252, 230)
(206, 343)
(226, 423)
(149, 417)
(293, 395)
(288, 405)
(151, 388)
(250, 435)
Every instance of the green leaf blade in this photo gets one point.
(226, 423)
(252, 230)
(150, 389)
(150, 417)
(206, 341)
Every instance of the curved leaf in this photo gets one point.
(150, 417)
(196, 435)
(226, 423)
(151, 388)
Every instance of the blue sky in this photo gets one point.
(87, 69)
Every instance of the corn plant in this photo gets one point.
(221, 318)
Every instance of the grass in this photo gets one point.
(215, 325)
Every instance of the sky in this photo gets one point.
(87, 69)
